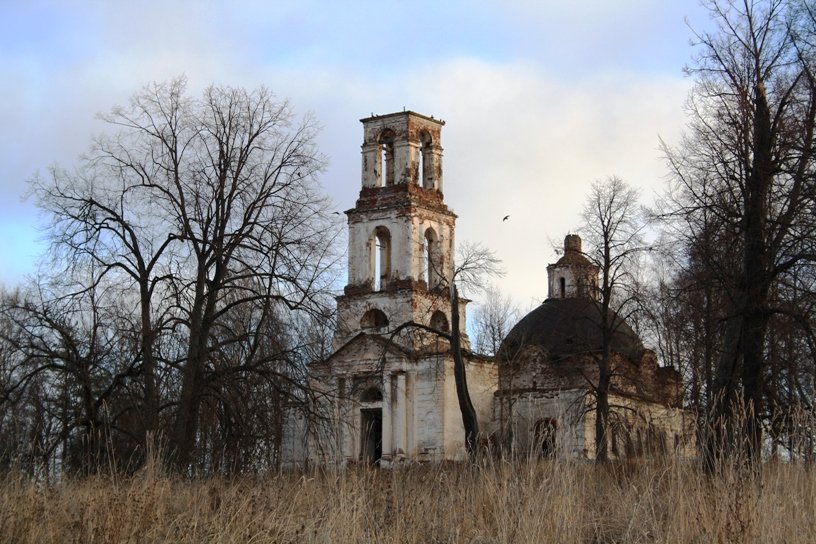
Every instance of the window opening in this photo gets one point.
(380, 258)
(425, 162)
(423, 260)
(373, 319)
(545, 431)
(433, 260)
(386, 152)
(563, 286)
(439, 321)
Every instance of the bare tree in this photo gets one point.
(612, 226)
(494, 317)
(69, 349)
(747, 163)
(209, 208)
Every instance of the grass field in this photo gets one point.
(492, 501)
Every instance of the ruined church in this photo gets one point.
(385, 398)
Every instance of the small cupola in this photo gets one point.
(573, 275)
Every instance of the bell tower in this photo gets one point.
(573, 275)
(401, 233)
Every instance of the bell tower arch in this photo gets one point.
(401, 233)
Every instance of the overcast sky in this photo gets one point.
(541, 98)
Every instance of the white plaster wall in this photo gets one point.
(672, 421)
(576, 423)
(358, 252)
(312, 440)
(428, 406)
(521, 414)
(483, 380)
(454, 438)
(295, 443)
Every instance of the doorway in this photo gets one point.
(371, 435)
(545, 434)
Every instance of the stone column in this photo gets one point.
(436, 166)
(386, 418)
(345, 424)
(399, 423)
(371, 165)
(402, 162)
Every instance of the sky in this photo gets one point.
(540, 98)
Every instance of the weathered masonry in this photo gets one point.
(385, 399)
(544, 400)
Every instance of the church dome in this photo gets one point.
(566, 327)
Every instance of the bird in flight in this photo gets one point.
(505, 218)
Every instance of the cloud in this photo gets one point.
(517, 141)
(535, 111)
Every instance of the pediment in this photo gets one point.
(368, 347)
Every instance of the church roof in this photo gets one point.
(565, 327)
(571, 258)
(573, 255)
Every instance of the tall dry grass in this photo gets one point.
(493, 501)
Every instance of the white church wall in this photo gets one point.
(295, 442)
(482, 378)
(454, 431)
(521, 413)
(647, 422)
(428, 408)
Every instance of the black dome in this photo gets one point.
(565, 327)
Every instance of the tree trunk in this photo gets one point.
(602, 418)
(604, 364)
(151, 400)
(743, 354)
(469, 421)
(183, 437)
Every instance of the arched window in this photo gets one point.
(433, 259)
(563, 286)
(386, 152)
(379, 253)
(439, 321)
(426, 177)
(373, 319)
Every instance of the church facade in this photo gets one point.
(388, 397)
(380, 398)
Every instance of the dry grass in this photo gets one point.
(492, 502)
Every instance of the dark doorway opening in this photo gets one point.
(371, 436)
(545, 432)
